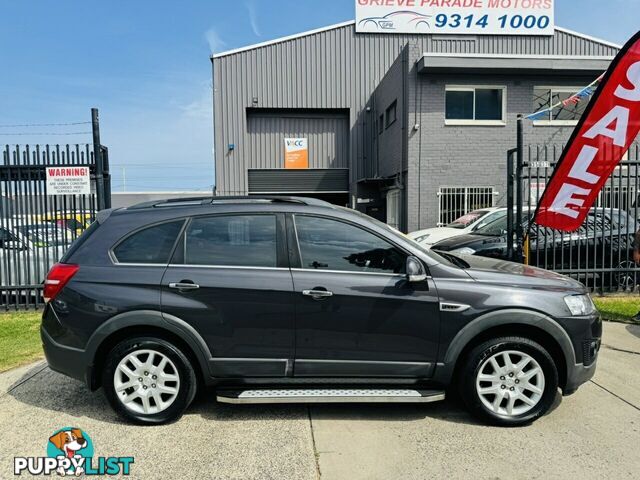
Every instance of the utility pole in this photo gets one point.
(97, 158)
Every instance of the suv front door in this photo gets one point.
(229, 279)
(356, 313)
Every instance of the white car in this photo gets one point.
(465, 224)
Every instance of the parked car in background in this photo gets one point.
(290, 300)
(465, 224)
(75, 221)
(28, 251)
(605, 240)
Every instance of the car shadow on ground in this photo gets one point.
(43, 388)
(633, 330)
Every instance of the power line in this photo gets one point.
(44, 133)
(44, 124)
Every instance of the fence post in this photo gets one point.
(510, 203)
(97, 158)
(519, 199)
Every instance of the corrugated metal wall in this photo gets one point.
(336, 68)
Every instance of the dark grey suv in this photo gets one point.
(283, 299)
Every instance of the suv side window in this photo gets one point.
(327, 244)
(232, 240)
(150, 245)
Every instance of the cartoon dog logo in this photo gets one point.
(69, 441)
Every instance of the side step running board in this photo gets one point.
(329, 395)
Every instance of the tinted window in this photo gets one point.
(151, 245)
(331, 245)
(459, 105)
(235, 240)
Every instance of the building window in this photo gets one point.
(393, 208)
(455, 202)
(569, 114)
(466, 105)
(391, 114)
(381, 124)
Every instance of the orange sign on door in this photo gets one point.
(296, 153)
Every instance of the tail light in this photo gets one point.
(57, 278)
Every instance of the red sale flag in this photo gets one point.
(607, 128)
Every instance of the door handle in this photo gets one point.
(184, 286)
(317, 294)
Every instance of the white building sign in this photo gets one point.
(501, 17)
(68, 180)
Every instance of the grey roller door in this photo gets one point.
(278, 181)
(327, 133)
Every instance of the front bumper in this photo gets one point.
(586, 337)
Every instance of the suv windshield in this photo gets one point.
(467, 219)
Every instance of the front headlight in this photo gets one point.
(580, 304)
(422, 238)
(464, 251)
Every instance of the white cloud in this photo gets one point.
(215, 41)
(253, 18)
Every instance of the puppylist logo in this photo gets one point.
(70, 452)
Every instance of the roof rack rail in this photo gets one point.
(213, 200)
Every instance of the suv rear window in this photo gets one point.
(150, 245)
(232, 240)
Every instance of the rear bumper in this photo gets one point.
(69, 361)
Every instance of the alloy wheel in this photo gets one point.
(146, 381)
(510, 383)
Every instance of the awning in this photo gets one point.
(543, 64)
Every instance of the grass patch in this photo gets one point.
(618, 308)
(19, 339)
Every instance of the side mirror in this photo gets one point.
(415, 270)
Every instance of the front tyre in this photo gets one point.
(509, 381)
(148, 380)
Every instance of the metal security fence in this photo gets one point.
(454, 202)
(38, 225)
(600, 253)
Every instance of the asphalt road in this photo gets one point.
(594, 433)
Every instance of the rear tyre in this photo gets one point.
(148, 380)
(508, 381)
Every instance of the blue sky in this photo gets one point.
(145, 65)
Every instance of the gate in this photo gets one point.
(600, 253)
(37, 227)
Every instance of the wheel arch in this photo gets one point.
(524, 323)
(146, 323)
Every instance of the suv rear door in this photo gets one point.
(229, 279)
(356, 313)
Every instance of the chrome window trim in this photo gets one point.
(234, 267)
(349, 272)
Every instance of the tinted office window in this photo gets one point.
(234, 240)
(331, 245)
(474, 104)
(151, 245)
(488, 104)
(459, 105)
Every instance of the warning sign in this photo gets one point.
(68, 181)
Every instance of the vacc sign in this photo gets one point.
(502, 17)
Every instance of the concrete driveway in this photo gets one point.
(592, 434)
